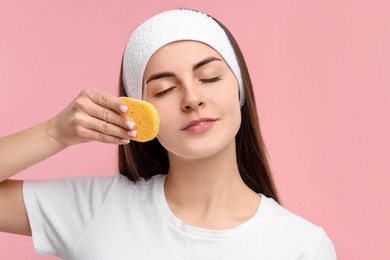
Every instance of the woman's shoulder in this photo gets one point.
(287, 219)
(139, 188)
(294, 231)
(90, 185)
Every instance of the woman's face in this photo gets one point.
(197, 98)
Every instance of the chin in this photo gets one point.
(200, 149)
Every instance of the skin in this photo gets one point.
(203, 187)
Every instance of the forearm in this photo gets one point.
(26, 148)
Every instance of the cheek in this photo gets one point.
(228, 98)
(167, 119)
(229, 101)
(235, 117)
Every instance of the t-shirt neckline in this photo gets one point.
(159, 196)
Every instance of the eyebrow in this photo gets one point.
(204, 62)
(161, 75)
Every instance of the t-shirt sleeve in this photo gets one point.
(323, 248)
(59, 210)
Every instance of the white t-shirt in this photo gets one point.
(112, 218)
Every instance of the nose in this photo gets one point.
(192, 99)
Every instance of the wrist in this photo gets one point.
(52, 135)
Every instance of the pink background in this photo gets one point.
(321, 71)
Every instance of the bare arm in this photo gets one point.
(92, 116)
(13, 215)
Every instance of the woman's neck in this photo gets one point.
(209, 192)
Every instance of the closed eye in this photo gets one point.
(164, 92)
(211, 80)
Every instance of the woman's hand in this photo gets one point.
(92, 116)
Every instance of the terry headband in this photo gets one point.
(168, 27)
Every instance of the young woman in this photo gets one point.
(201, 190)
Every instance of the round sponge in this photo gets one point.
(145, 116)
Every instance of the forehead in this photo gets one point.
(181, 53)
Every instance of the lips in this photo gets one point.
(200, 123)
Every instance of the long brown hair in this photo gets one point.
(144, 160)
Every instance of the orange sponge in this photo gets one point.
(145, 116)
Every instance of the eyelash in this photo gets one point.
(206, 81)
(162, 93)
(211, 80)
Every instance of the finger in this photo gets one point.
(107, 128)
(104, 138)
(110, 116)
(106, 100)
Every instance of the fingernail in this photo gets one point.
(132, 133)
(130, 124)
(123, 108)
(125, 141)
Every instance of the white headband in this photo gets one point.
(168, 27)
